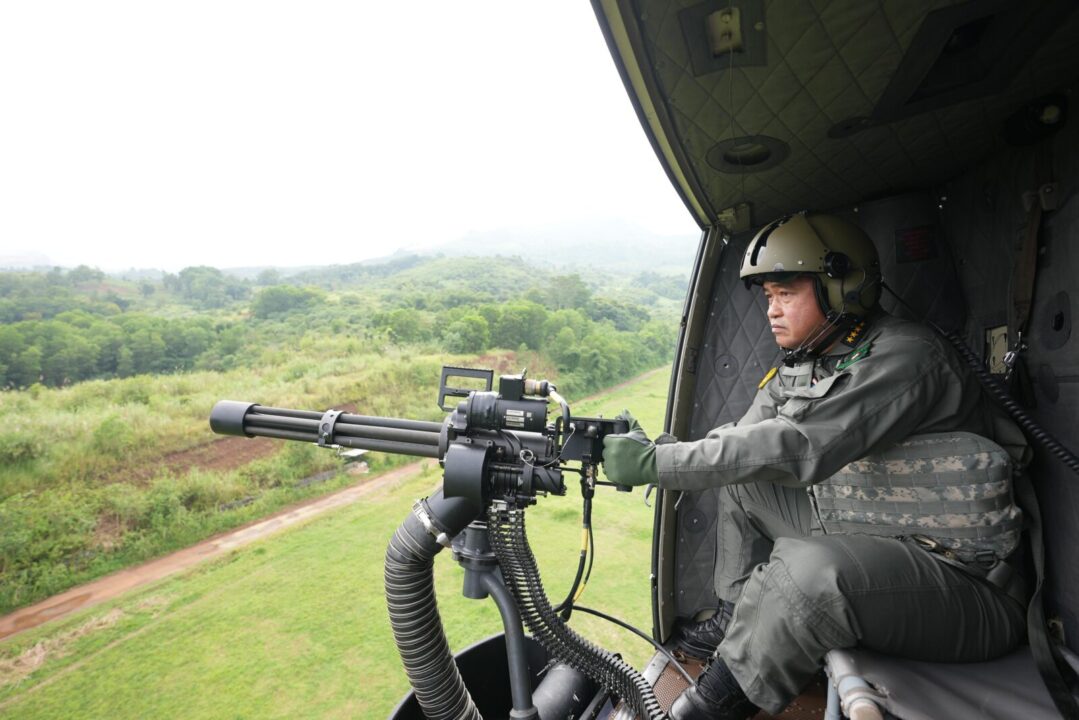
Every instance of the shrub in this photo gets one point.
(135, 391)
(113, 436)
(20, 447)
(128, 504)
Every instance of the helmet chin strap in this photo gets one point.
(818, 341)
(834, 326)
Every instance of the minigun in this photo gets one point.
(499, 452)
(491, 444)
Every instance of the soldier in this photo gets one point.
(863, 504)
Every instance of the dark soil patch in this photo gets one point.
(222, 454)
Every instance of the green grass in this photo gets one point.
(295, 626)
(82, 492)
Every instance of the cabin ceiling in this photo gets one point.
(855, 99)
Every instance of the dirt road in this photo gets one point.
(222, 454)
(120, 582)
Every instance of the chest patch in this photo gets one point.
(862, 351)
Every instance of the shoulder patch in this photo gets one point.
(771, 374)
(862, 351)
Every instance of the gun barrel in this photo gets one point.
(386, 422)
(393, 435)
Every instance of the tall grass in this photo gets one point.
(83, 490)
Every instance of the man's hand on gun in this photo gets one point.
(630, 458)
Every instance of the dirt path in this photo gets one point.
(220, 454)
(619, 386)
(120, 582)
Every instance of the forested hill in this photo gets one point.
(611, 246)
(64, 326)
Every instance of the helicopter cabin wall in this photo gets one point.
(985, 222)
(949, 252)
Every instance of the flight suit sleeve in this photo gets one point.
(762, 408)
(816, 430)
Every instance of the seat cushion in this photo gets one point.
(1006, 688)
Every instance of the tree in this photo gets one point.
(565, 349)
(125, 362)
(569, 291)
(84, 274)
(268, 277)
(622, 316)
(403, 324)
(185, 340)
(147, 350)
(520, 322)
(25, 370)
(109, 339)
(71, 357)
(668, 286)
(208, 287)
(467, 335)
(11, 344)
(282, 299)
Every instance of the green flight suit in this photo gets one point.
(799, 593)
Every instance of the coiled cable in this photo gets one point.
(506, 528)
(998, 392)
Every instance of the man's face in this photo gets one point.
(793, 311)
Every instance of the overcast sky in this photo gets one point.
(229, 133)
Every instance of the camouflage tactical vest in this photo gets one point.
(954, 489)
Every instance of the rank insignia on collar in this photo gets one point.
(854, 333)
(861, 352)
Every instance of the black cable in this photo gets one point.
(626, 626)
(565, 608)
(999, 393)
(591, 551)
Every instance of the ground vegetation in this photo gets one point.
(106, 458)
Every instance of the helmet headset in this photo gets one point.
(836, 254)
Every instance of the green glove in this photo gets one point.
(630, 458)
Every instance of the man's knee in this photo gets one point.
(798, 597)
(813, 568)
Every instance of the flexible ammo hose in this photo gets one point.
(417, 627)
(506, 528)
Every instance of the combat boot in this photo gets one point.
(700, 640)
(717, 696)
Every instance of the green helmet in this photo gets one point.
(837, 254)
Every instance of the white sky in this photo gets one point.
(166, 134)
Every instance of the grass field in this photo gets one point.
(295, 626)
(88, 480)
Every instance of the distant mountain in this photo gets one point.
(608, 247)
(25, 261)
(291, 272)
